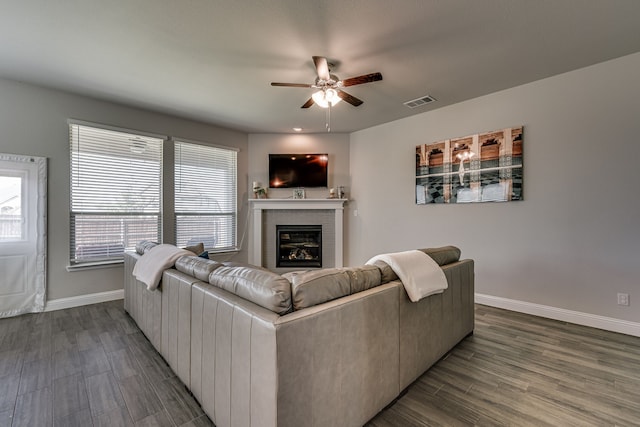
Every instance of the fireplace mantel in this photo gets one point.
(259, 205)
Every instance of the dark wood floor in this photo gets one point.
(87, 366)
(521, 370)
(92, 366)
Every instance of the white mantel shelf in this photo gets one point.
(259, 205)
(298, 203)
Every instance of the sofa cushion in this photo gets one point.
(196, 266)
(363, 278)
(260, 286)
(443, 255)
(144, 246)
(309, 288)
(243, 264)
(386, 272)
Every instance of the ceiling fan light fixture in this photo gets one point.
(325, 97)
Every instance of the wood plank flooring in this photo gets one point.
(87, 366)
(91, 366)
(521, 370)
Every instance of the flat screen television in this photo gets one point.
(298, 170)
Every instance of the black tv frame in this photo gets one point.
(306, 170)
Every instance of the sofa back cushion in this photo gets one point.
(364, 277)
(260, 286)
(443, 255)
(386, 272)
(309, 288)
(144, 246)
(200, 268)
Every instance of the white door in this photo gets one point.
(23, 207)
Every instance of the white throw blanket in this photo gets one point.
(420, 275)
(150, 266)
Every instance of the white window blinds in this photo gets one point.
(116, 189)
(205, 196)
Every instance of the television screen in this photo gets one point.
(298, 170)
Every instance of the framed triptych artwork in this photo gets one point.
(484, 167)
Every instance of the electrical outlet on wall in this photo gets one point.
(623, 299)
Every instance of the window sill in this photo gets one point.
(95, 265)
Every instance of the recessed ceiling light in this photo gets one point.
(297, 129)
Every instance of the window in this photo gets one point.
(116, 184)
(11, 218)
(205, 181)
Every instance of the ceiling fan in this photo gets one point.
(330, 86)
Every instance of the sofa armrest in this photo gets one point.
(338, 361)
(143, 305)
(432, 326)
(176, 322)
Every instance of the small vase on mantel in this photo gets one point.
(258, 191)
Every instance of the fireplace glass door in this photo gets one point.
(299, 246)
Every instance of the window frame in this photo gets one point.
(231, 213)
(76, 262)
(167, 215)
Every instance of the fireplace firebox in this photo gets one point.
(299, 246)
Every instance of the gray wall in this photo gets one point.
(574, 242)
(335, 144)
(34, 122)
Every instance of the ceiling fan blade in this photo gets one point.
(308, 104)
(349, 98)
(322, 67)
(367, 78)
(290, 84)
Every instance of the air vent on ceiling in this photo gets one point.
(419, 102)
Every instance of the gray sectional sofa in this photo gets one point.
(328, 347)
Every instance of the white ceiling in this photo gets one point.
(213, 60)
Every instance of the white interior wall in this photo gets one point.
(573, 242)
(34, 122)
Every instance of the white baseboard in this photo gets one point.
(579, 318)
(61, 303)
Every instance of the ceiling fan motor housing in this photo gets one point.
(333, 82)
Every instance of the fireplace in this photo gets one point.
(268, 213)
(298, 245)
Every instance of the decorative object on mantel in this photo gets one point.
(340, 192)
(298, 193)
(493, 172)
(258, 191)
(332, 193)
